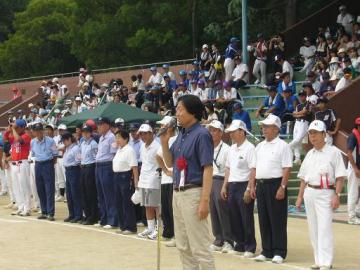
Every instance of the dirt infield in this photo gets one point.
(27, 243)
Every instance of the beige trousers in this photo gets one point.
(192, 234)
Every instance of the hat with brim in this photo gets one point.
(235, 125)
(271, 120)
(103, 120)
(166, 120)
(317, 125)
(86, 128)
(37, 126)
(216, 124)
(144, 128)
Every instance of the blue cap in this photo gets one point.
(104, 120)
(37, 126)
(234, 39)
(134, 126)
(182, 72)
(195, 63)
(20, 123)
(237, 105)
(153, 68)
(165, 65)
(166, 75)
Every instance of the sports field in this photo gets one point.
(27, 243)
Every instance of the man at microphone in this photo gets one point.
(191, 156)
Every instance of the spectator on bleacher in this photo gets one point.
(355, 59)
(183, 78)
(210, 112)
(192, 87)
(195, 72)
(166, 69)
(325, 86)
(330, 45)
(333, 66)
(210, 86)
(16, 92)
(155, 78)
(320, 66)
(168, 88)
(273, 103)
(344, 81)
(259, 70)
(291, 102)
(240, 114)
(285, 66)
(311, 77)
(179, 91)
(307, 53)
(203, 90)
(230, 53)
(230, 93)
(329, 117)
(345, 19)
(321, 46)
(286, 83)
(216, 68)
(140, 83)
(277, 45)
(240, 75)
(205, 58)
(79, 105)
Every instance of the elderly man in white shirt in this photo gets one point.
(322, 176)
(307, 52)
(345, 19)
(155, 78)
(273, 164)
(219, 209)
(240, 168)
(240, 74)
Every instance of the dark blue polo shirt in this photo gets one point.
(277, 102)
(352, 144)
(196, 146)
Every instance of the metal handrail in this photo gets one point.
(97, 71)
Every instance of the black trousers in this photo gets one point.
(167, 210)
(89, 193)
(272, 218)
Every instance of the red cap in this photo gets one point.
(14, 88)
(357, 121)
(91, 123)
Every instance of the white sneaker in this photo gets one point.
(257, 81)
(297, 162)
(260, 258)
(145, 233)
(153, 235)
(108, 227)
(277, 259)
(215, 247)
(354, 221)
(127, 232)
(97, 225)
(249, 255)
(227, 247)
(315, 267)
(171, 243)
(25, 214)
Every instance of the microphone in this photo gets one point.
(163, 130)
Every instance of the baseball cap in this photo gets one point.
(166, 120)
(57, 111)
(34, 110)
(271, 120)
(145, 128)
(182, 72)
(260, 35)
(357, 121)
(165, 65)
(37, 126)
(216, 124)
(317, 125)
(201, 82)
(91, 123)
(30, 105)
(119, 121)
(20, 123)
(342, 7)
(234, 39)
(235, 125)
(78, 99)
(277, 58)
(302, 93)
(313, 99)
(307, 84)
(86, 128)
(166, 75)
(68, 102)
(153, 68)
(62, 127)
(271, 88)
(134, 126)
(341, 50)
(66, 136)
(103, 120)
(205, 46)
(50, 126)
(237, 106)
(195, 63)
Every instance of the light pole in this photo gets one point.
(244, 9)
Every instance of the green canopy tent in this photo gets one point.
(111, 111)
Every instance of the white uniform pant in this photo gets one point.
(300, 131)
(259, 71)
(353, 192)
(59, 176)
(229, 66)
(319, 216)
(308, 65)
(9, 183)
(3, 181)
(35, 197)
(21, 185)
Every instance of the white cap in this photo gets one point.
(145, 128)
(50, 125)
(313, 99)
(205, 46)
(55, 80)
(272, 119)
(87, 97)
(62, 127)
(216, 124)
(334, 59)
(317, 125)
(341, 50)
(235, 125)
(166, 120)
(119, 120)
(78, 99)
(30, 105)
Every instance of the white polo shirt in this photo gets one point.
(286, 67)
(271, 158)
(125, 159)
(165, 179)
(220, 158)
(155, 79)
(228, 94)
(321, 163)
(307, 52)
(241, 159)
(239, 72)
(149, 177)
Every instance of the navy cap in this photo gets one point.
(20, 123)
(195, 63)
(237, 106)
(104, 120)
(86, 128)
(165, 65)
(20, 111)
(134, 126)
(37, 126)
(271, 88)
(153, 68)
(302, 93)
(234, 39)
(166, 75)
(182, 72)
(66, 136)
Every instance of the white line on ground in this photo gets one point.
(90, 228)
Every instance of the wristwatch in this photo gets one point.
(283, 186)
(338, 194)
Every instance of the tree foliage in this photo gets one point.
(52, 36)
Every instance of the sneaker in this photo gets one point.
(257, 81)
(153, 236)
(235, 252)
(260, 258)
(315, 267)
(127, 232)
(59, 198)
(354, 221)
(50, 218)
(166, 239)
(97, 225)
(227, 247)
(108, 227)
(325, 268)
(277, 259)
(42, 217)
(297, 162)
(140, 224)
(25, 214)
(215, 247)
(249, 255)
(145, 233)
(171, 243)
(68, 219)
(16, 213)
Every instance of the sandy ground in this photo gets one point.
(27, 243)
